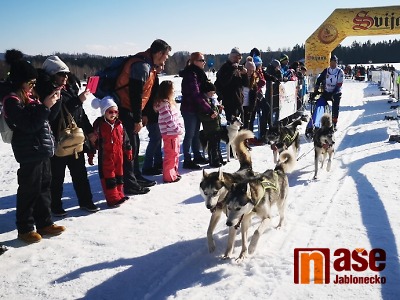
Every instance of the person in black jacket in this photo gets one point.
(55, 74)
(272, 74)
(33, 145)
(231, 78)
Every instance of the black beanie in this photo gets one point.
(22, 71)
(208, 86)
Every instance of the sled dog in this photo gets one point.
(324, 141)
(284, 137)
(227, 135)
(214, 186)
(255, 197)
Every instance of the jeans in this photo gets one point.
(191, 139)
(153, 156)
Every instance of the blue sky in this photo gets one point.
(122, 27)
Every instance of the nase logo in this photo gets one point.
(313, 264)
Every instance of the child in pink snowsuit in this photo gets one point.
(171, 127)
(112, 143)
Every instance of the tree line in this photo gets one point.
(84, 64)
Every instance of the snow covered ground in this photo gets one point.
(154, 245)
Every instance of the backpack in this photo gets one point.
(5, 130)
(108, 78)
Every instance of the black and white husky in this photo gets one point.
(255, 197)
(214, 186)
(324, 141)
(227, 135)
(284, 137)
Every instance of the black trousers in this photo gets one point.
(33, 195)
(131, 168)
(80, 181)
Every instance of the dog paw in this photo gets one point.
(225, 257)
(241, 258)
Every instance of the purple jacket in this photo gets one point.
(193, 99)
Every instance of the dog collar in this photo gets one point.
(326, 146)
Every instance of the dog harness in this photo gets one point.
(287, 137)
(266, 184)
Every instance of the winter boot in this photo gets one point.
(111, 193)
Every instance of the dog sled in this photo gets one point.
(319, 106)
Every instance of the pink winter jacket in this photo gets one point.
(169, 119)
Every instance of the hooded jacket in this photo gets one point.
(32, 138)
(193, 99)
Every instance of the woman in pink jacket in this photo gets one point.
(171, 127)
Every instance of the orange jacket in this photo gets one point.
(136, 100)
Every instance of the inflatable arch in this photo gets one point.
(348, 22)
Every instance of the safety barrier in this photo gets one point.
(388, 80)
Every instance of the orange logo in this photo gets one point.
(313, 265)
(302, 265)
(327, 34)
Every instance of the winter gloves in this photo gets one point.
(128, 155)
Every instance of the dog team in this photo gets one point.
(244, 194)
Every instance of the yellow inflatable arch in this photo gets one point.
(348, 22)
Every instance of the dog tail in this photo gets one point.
(326, 120)
(242, 150)
(286, 162)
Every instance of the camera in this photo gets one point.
(240, 67)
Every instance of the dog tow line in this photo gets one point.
(304, 154)
(240, 221)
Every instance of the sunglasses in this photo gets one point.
(32, 82)
(62, 74)
(112, 112)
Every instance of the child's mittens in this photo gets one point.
(129, 155)
(90, 159)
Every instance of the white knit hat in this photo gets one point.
(103, 104)
(249, 65)
(53, 64)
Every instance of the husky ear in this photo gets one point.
(248, 190)
(220, 175)
(204, 174)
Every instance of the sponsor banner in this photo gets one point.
(287, 99)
